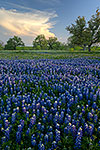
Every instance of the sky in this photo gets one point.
(29, 18)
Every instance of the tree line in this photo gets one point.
(82, 33)
(39, 43)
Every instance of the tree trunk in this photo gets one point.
(84, 47)
(89, 48)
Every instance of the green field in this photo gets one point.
(43, 54)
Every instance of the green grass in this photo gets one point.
(49, 54)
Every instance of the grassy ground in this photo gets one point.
(49, 54)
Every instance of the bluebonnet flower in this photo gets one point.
(90, 116)
(42, 128)
(94, 106)
(2, 102)
(73, 121)
(89, 102)
(91, 129)
(55, 104)
(45, 114)
(3, 139)
(17, 109)
(32, 120)
(39, 145)
(57, 126)
(86, 128)
(50, 117)
(99, 142)
(22, 123)
(92, 111)
(87, 94)
(68, 81)
(73, 131)
(46, 138)
(24, 109)
(95, 118)
(33, 111)
(41, 135)
(75, 115)
(50, 136)
(7, 133)
(78, 107)
(60, 119)
(69, 118)
(77, 123)
(43, 119)
(78, 139)
(27, 114)
(83, 110)
(6, 123)
(57, 138)
(18, 136)
(50, 128)
(98, 130)
(91, 95)
(20, 128)
(76, 99)
(69, 126)
(80, 116)
(54, 145)
(49, 103)
(94, 97)
(29, 148)
(42, 147)
(0, 126)
(13, 117)
(28, 131)
(37, 105)
(38, 112)
(39, 125)
(33, 142)
(80, 96)
(65, 130)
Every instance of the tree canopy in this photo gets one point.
(51, 43)
(40, 42)
(85, 33)
(12, 43)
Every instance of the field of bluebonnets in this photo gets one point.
(48, 104)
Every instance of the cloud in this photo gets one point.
(30, 23)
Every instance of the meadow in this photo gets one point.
(48, 54)
(49, 100)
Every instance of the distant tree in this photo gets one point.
(12, 43)
(52, 42)
(1, 45)
(40, 42)
(57, 45)
(63, 46)
(85, 34)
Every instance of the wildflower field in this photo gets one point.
(48, 104)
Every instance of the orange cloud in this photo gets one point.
(27, 23)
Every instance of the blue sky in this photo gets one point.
(29, 18)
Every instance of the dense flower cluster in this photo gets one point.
(50, 104)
